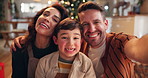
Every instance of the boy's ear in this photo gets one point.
(82, 39)
(55, 39)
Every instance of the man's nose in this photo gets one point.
(92, 28)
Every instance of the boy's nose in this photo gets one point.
(71, 41)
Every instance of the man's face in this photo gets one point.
(94, 27)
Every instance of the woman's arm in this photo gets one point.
(17, 41)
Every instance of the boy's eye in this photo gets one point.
(76, 38)
(64, 37)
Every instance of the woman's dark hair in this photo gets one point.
(31, 29)
(68, 24)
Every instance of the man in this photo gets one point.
(110, 53)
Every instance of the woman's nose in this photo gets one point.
(48, 19)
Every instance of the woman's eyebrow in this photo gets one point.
(57, 17)
(54, 15)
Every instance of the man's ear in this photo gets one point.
(106, 24)
(55, 39)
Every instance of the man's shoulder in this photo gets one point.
(118, 38)
(120, 35)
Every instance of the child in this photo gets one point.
(68, 62)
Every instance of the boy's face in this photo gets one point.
(69, 43)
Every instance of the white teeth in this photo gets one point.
(93, 35)
(44, 25)
(70, 49)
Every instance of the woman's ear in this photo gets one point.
(55, 39)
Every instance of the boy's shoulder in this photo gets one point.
(82, 57)
(50, 56)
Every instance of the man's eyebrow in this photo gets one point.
(97, 20)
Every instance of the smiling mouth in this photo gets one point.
(42, 24)
(70, 49)
(95, 35)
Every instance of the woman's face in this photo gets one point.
(47, 21)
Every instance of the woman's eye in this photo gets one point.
(55, 20)
(46, 14)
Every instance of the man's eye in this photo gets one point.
(85, 24)
(96, 22)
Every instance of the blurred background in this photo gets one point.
(128, 16)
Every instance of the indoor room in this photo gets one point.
(127, 16)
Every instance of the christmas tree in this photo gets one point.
(72, 6)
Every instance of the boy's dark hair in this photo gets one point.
(91, 5)
(67, 24)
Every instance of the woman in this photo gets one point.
(38, 42)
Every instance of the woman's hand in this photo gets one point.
(17, 41)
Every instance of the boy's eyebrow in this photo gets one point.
(67, 33)
(63, 34)
(77, 34)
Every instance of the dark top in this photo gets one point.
(20, 59)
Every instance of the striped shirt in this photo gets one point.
(64, 68)
(115, 62)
